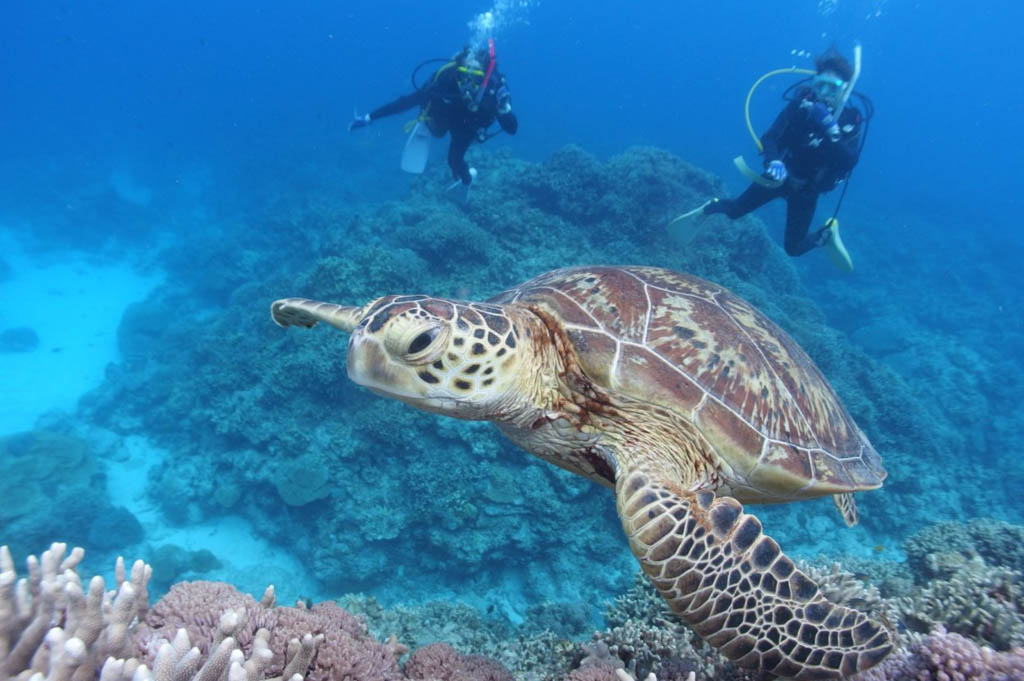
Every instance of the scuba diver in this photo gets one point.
(810, 148)
(463, 97)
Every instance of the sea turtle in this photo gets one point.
(674, 392)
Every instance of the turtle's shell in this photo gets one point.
(694, 347)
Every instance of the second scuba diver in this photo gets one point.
(809, 149)
(463, 98)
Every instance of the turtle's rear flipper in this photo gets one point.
(847, 507)
(731, 583)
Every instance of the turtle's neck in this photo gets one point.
(545, 360)
(562, 416)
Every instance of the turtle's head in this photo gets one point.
(444, 356)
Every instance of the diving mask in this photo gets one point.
(828, 86)
(470, 87)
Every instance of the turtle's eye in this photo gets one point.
(416, 343)
(423, 341)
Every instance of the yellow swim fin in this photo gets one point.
(683, 228)
(834, 248)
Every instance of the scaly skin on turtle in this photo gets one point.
(675, 393)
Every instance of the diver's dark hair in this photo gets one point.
(481, 54)
(832, 60)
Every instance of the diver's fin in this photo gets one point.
(847, 507)
(837, 253)
(417, 149)
(685, 227)
(459, 189)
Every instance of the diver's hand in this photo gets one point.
(359, 122)
(504, 100)
(776, 170)
(821, 115)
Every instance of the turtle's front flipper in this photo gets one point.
(733, 585)
(303, 312)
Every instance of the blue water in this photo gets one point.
(134, 130)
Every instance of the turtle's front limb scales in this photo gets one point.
(716, 569)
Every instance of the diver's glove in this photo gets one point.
(776, 170)
(822, 116)
(504, 100)
(359, 122)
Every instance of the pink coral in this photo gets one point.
(480, 668)
(441, 662)
(198, 608)
(211, 611)
(347, 652)
(942, 656)
(432, 662)
(594, 673)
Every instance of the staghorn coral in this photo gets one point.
(645, 636)
(50, 624)
(976, 600)
(997, 542)
(50, 630)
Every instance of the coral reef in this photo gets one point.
(51, 627)
(644, 637)
(956, 348)
(349, 480)
(43, 469)
(321, 642)
(199, 631)
(172, 561)
(441, 662)
(942, 656)
(265, 425)
(998, 543)
(50, 624)
(971, 598)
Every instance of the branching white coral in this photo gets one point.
(52, 629)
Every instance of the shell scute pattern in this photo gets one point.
(692, 346)
(439, 308)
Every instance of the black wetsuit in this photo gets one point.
(816, 164)
(445, 111)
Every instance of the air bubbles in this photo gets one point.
(503, 14)
(806, 54)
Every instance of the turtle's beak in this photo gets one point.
(303, 312)
(370, 366)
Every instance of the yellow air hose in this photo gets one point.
(739, 161)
